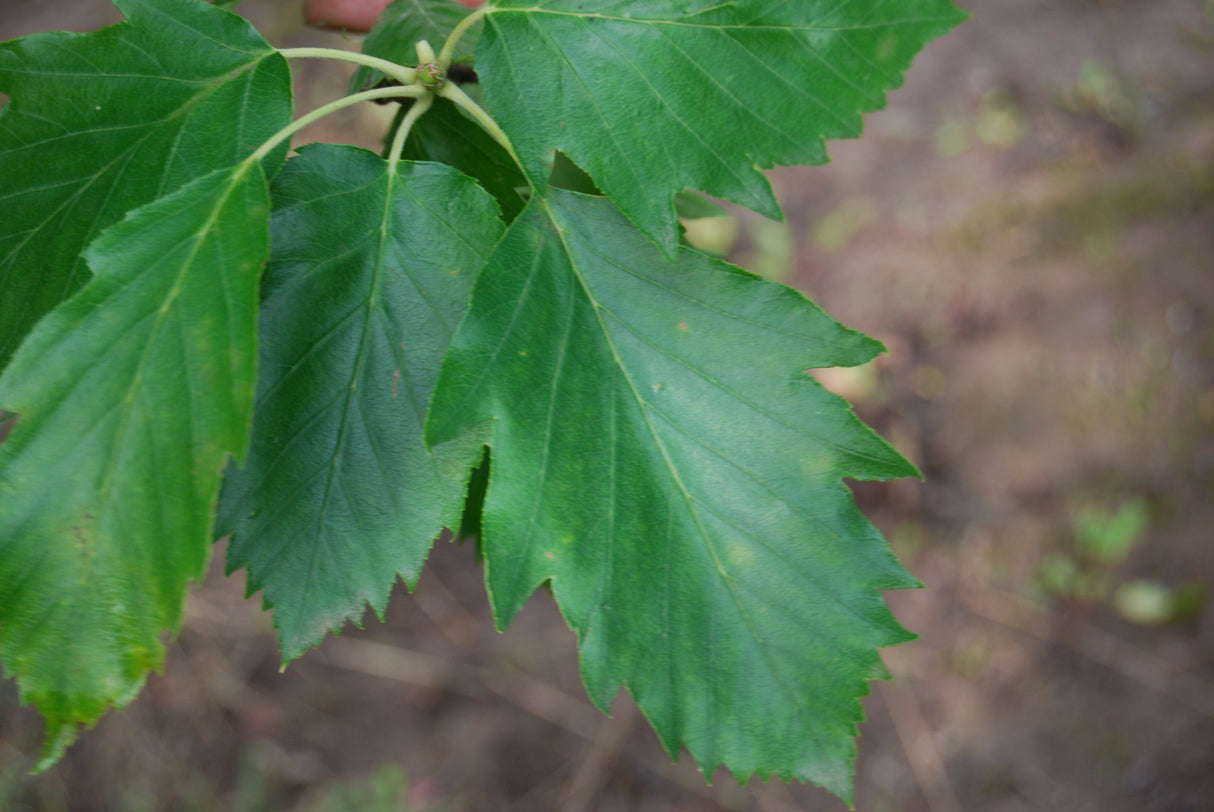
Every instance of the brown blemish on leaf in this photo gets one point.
(7, 421)
(86, 544)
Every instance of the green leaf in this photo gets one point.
(686, 506)
(130, 396)
(1107, 536)
(446, 136)
(404, 22)
(102, 123)
(651, 97)
(371, 273)
(692, 206)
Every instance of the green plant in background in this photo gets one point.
(1101, 91)
(1104, 538)
(502, 298)
(1107, 537)
(385, 790)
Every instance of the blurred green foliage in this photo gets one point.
(1103, 540)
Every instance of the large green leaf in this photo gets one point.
(371, 274)
(130, 395)
(102, 123)
(662, 456)
(654, 96)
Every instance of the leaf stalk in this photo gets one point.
(410, 91)
(448, 52)
(453, 93)
(418, 109)
(402, 74)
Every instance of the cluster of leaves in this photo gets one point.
(378, 347)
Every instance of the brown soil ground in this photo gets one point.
(1029, 227)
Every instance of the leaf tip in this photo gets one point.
(903, 467)
(60, 734)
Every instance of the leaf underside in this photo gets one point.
(652, 97)
(661, 455)
(102, 123)
(370, 275)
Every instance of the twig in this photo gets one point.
(536, 697)
(437, 602)
(920, 748)
(1097, 645)
(606, 747)
(395, 664)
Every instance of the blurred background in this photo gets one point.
(1029, 227)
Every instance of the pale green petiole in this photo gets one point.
(448, 53)
(402, 74)
(414, 91)
(424, 52)
(402, 132)
(408, 77)
(453, 93)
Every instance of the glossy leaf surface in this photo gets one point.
(371, 274)
(104, 122)
(661, 455)
(131, 395)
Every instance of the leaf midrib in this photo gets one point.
(688, 499)
(356, 372)
(162, 315)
